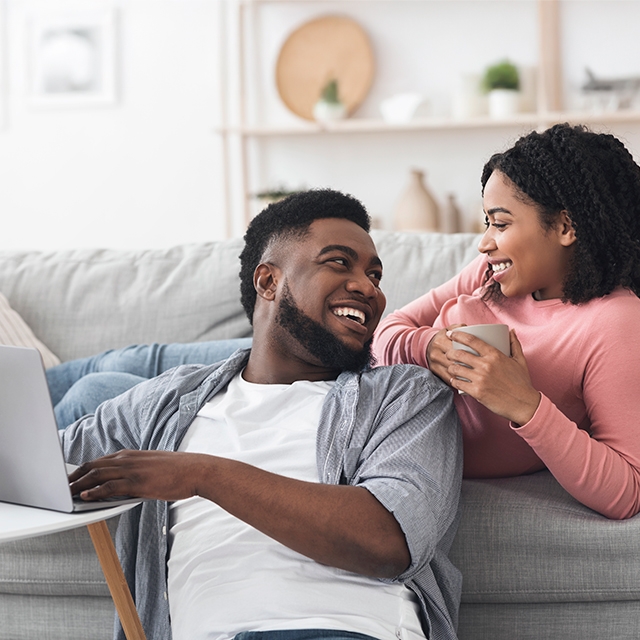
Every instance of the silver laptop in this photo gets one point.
(32, 466)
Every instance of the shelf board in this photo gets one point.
(374, 125)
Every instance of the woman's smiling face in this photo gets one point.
(525, 257)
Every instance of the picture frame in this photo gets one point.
(72, 59)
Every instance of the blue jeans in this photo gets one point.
(77, 387)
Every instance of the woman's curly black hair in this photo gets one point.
(291, 218)
(593, 177)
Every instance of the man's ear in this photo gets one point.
(265, 280)
(566, 231)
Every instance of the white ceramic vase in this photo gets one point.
(404, 107)
(416, 209)
(468, 100)
(503, 103)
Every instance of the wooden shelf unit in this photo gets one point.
(549, 101)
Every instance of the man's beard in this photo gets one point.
(319, 342)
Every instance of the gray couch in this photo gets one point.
(536, 564)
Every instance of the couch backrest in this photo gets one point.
(82, 302)
(414, 263)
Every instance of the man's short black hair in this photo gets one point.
(291, 218)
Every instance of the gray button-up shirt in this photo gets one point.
(392, 430)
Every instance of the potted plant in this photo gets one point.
(502, 82)
(329, 107)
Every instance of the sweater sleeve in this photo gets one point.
(600, 468)
(404, 335)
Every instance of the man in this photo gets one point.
(296, 492)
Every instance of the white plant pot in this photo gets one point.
(329, 111)
(503, 103)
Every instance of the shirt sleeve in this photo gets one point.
(404, 335)
(412, 461)
(121, 423)
(599, 467)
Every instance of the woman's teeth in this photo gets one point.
(501, 266)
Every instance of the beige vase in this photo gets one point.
(452, 217)
(416, 209)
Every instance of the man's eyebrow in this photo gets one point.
(349, 251)
(339, 247)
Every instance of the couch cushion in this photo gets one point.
(414, 263)
(550, 621)
(58, 564)
(60, 618)
(525, 540)
(82, 302)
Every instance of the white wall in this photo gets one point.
(147, 171)
(143, 172)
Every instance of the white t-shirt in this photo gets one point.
(225, 576)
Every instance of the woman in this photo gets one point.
(559, 264)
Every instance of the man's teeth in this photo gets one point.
(352, 314)
(501, 266)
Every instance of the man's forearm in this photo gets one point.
(341, 526)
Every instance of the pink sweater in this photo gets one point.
(584, 359)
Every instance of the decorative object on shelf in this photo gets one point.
(528, 76)
(610, 94)
(451, 221)
(468, 100)
(329, 107)
(478, 222)
(416, 209)
(502, 82)
(404, 107)
(334, 47)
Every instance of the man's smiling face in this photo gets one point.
(329, 300)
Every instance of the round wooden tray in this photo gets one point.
(324, 49)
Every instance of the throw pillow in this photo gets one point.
(16, 332)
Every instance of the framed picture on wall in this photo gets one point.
(72, 59)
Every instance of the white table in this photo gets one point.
(18, 522)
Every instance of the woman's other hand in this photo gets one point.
(437, 351)
(501, 383)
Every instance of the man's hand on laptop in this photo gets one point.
(159, 475)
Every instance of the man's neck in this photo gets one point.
(267, 366)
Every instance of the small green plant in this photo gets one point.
(503, 75)
(330, 92)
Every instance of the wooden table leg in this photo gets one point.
(118, 586)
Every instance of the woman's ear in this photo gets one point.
(265, 280)
(566, 231)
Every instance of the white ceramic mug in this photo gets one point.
(496, 335)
